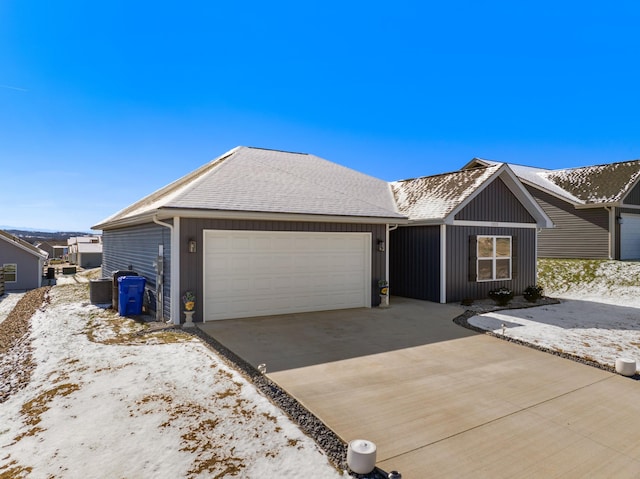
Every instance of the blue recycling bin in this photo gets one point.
(130, 294)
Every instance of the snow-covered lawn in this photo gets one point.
(598, 320)
(108, 399)
(7, 302)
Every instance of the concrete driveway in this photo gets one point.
(440, 401)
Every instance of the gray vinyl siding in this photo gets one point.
(414, 262)
(136, 248)
(459, 285)
(577, 233)
(496, 203)
(192, 273)
(28, 266)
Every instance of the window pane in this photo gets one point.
(503, 247)
(485, 247)
(10, 272)
(485, 269)
(503, 269)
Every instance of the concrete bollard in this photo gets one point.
(361, 456)
(625, 366)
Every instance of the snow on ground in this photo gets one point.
(598, 321)
(7, 302)
(108, 400)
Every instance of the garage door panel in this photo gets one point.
(630, 236)
(265, 273)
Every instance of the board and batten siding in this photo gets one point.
(577, 233)
(459, 285)
(191, 264)
(414, 262)
(633, 197)
(136, 248)
(495, 203)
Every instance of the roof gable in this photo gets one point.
(587, 185)
(436, 197)
(597, 184)
(257, 180)
(439, 198)
(22, 244)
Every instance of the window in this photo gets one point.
(494, 255)
(10, 272)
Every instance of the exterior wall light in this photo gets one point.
(381, 246)
(192, 246)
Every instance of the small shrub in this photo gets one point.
(501, 296)
(533, 293)
(466, 302)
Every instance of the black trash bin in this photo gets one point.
(130, 294)
(51, 273)
(114, 288)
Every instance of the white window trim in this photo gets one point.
(493, 259)
(15, 265)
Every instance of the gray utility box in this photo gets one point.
(100, 291)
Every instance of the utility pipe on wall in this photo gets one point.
(174, 230)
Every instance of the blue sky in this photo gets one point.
(102, 103)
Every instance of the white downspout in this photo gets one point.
(612, 230)
(386, 267)
(443, 263)
(174, 295)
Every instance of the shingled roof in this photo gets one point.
(435, 197)
(587, 185)
(257, 180)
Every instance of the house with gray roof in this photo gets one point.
(595, 209)
(259, 232)
(22, 263)
(468, 232)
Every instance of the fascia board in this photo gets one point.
(168, 213)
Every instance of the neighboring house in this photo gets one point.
(85, 251)
(595, 209)
(257, 232)
(22, 262)
(469, 232)
(55, 250)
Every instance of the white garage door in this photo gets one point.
(260, 273)
(630, 237)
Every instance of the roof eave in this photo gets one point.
(167, 213)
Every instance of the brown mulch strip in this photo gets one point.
(16, 363)
(16, 325)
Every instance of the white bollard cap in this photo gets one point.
(625, 366)
(361, 456)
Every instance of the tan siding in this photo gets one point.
(578, 233)
(496, 203)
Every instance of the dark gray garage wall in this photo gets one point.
(191, 265)
(459, 285)
(137, 247)
(414, 262)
